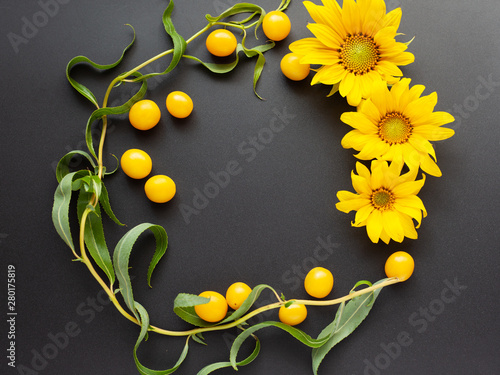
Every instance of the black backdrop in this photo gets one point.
(265, 226)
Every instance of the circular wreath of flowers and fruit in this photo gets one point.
(353, 49)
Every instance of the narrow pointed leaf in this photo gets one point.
(295, 332)
(94, 236)
(60, 209)
(236, 9)
(121, 258)
(144, 321)
(184, 308)
(63, 167)
(348, 318)
(219, 365)
(104, 200)
(82, 59)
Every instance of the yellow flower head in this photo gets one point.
(386, 201)
(355, 46)
(397, 125)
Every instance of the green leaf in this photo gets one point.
(82, 59)
(179, 43)
(94, 235)
(295, 332)
(115, 169)
(219, 365)
(121, 258)
(60, 209)
(198, 337)
(63, 166)
(284, 4)
(249, 52)
(100, 113)
(184, 308)
(144, 321)
(349, 316)
(104, 200)
(236, 9)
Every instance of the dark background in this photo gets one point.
(264, 226)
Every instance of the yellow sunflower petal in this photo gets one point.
(385, 36)
(434, 133)
(363, 171)
(360, 184)
(398, 90)
(378, 168)
(387, 67)
(373, 13)
(329, 75)
(370, 110)
(392, 225)
(429, 166)
(352, 205)
(404, 58)
(326, 35)
(393, 18)
(307, 45)
(415, 92)
(326, 17)
(421, 144)
(325, 57)
(412, 201)
(344, 195)
(378, 97)
(346, 84)
(421, 107)
(385, 237)
(414, 213)
(372, 150)
(374, 225)
(435, 118)
(408, 188)
(408, 227)
(359, 121)
(363, 214)
(334, 89)
(350, 17)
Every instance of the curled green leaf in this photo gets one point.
(143, 318)
(294, 332)
(121, 258)
(82, 59)
(63, 167)
(236, 9)
(219, 365)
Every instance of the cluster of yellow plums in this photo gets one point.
(276, 26)
(318, 284)
(136, 163)
(145, 114)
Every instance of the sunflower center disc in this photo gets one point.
(382, 199)
(394, 128)
(359, 54)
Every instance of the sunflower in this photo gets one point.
(355, 46)
(397, 124)
(385, 201)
